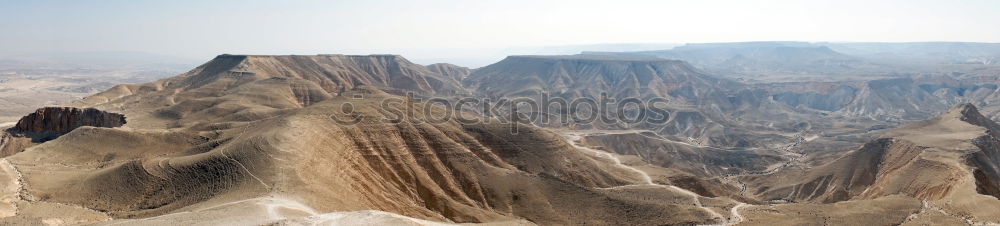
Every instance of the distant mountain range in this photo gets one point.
(757, 59)
(32, 80)
(106, 60)
(923, 52)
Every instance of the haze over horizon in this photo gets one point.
(448, 30)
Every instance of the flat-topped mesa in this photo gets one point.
(62, 120)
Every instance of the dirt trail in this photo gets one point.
(270, 208)
(10, 191)
(795, 158)
(968, 220)
(223, 152)
(574, 138)
(734, 214)
(278, 211)
(13, 193)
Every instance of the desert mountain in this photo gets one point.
(441, 172)
(310, 140)
(925, 53)
(894, 82)
(588, 76)
(262, 134)
(883, 81)
(889, 99)
(241, 88)
(949, 161)
(701, 107)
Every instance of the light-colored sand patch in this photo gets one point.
(281, 211)
(10, 188)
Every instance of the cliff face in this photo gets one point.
(51, 122)
(61, 120)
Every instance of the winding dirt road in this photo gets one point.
(574, 138)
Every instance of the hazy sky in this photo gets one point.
(202, 29)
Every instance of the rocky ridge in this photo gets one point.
(62, 120)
